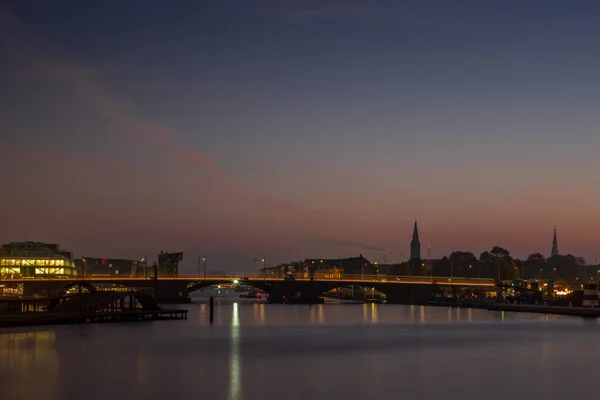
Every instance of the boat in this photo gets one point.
(229, 293)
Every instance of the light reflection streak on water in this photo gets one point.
(234, 356)
(320, 314)
(203, 311)
(470, 315)
(374, 313)
(422, 313)
(26, 354)
(263, 318)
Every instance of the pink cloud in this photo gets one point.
(110, 183)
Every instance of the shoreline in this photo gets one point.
(585, 312)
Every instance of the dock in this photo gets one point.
(34, 319)
(80, 308)
(586, 312)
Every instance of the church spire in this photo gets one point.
(554, 245)
(415, 244)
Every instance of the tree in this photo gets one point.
(463, 263)
(499, 252)
(441, 267)
(536, 265)
(499, 259)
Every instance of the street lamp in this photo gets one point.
(362, 272)
(84, 265)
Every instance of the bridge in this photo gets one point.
(398, 289)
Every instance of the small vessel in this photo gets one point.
(233, 293)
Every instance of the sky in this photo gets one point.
(300, 129)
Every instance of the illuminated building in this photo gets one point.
(35, 259)
(168, 263)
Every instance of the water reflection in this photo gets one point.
(234, 356)
(25, 355)
(374, 313)
(316, 313)
(262, 351)
(321, 317)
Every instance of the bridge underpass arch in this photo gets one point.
(356, 292)
(194, 286)
(80, 287)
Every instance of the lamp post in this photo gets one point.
(362, 272)
(84, 266)
(145, 261)
(204, 265)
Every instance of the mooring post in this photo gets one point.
(212, 306)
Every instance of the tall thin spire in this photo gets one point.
(415, 244)
(554, 245)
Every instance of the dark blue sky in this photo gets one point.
(479, 114)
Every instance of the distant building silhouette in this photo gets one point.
(415, 245)
(324, 268)
(93, 266)
(554, 245)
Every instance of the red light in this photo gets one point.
(103, 261)
(428, 247)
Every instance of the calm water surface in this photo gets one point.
(289, 352)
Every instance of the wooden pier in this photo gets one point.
(33, 319)
(126, 306)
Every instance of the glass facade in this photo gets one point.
(34, 259)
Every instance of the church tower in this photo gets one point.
(415, 245)
(554, 245)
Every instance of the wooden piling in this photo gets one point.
(212, 306)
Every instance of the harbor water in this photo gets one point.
(258, 351)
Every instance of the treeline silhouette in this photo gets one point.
(497, 263)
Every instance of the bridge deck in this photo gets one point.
(357, 279)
